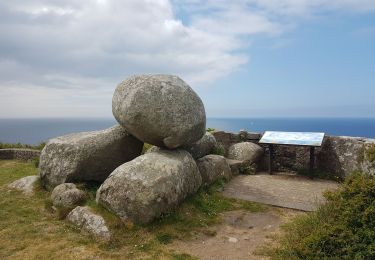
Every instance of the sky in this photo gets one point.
(244, 58)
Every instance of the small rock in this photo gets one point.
(25, 184)
(204, 146)
(67, 195)
(213, 167)
(232, 240)
(246, 151)
(235, 166)
(83, 218)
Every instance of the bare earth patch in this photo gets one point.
(240, 235)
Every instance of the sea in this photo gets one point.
(35, 131)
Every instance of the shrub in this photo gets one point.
(343, 228)
(219, 150)
(370, 154)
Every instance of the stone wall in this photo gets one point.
(18, 154)
(339, 155)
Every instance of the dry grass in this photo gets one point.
(30, 230)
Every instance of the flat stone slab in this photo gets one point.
(283, 190)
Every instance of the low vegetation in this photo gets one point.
(218, 150)
(343, 228)
(370, 154)
(24, 146)
(30, 229)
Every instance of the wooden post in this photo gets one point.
(270, 158)
(312, 161)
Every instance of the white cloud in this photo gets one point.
(66, 48)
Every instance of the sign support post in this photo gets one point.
(309, 139)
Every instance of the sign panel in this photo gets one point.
(293, 138)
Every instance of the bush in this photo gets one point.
(218, 150)
(343, 228)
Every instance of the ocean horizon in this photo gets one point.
(36, 130)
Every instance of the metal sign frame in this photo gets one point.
(309, 139)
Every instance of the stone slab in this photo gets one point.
(282, 190)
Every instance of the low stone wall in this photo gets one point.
(339, 155)
(227, 139)
(18, 154)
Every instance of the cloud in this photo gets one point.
(63, 46)
(110, 39)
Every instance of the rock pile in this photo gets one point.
(161, 110)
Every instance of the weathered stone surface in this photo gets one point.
(235, 166)
(204, 146)
(159, 109)
(227, 139)
(83, 218)
(246, 151)
(87, 156)
(67, 195)
(213, 167)
(342, 155)
(25, 184)
(150, 185)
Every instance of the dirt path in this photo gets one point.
(238, 236)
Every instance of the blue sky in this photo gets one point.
(245, 58)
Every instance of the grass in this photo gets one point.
(29, 229)
(370, 154)
(343, 228)
(219, 150)
(25, 146)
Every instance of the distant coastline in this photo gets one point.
(36, 130)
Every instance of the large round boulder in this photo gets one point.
(150, 185)
(246, 151)
(159, 109)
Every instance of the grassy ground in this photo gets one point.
(343, 228)
(30, 230)
(25, 146)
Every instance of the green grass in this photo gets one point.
(146, 146)
(29, 229)
(219, 150)
(343, 228)
(25, 146)
(370, 154)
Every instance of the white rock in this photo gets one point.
(232, 239)
(25, 184)
(83, 218)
